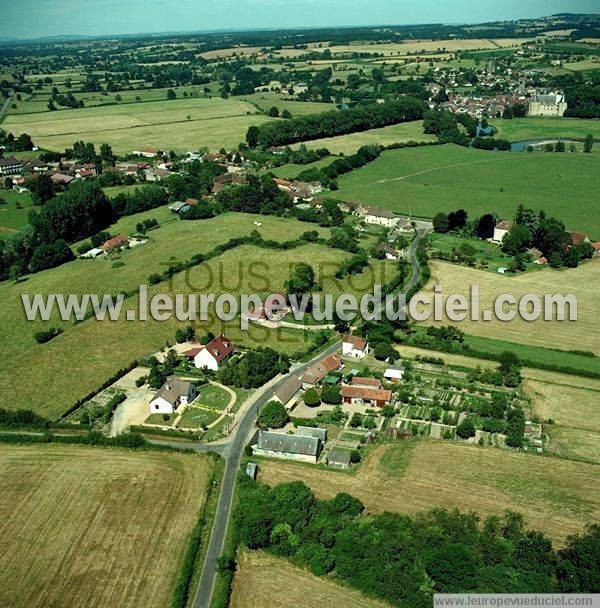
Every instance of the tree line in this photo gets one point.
(406, 559)
(329, 124)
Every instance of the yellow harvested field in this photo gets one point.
(263, 580)
(348, 144)
(470, 44)
(573, 406)
(556, 496)
(85, 526)
(582, 334)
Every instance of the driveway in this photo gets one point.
(133, 411)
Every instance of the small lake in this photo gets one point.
(521, 146)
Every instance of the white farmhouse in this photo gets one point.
(501, 229)
(381, 217)
(354, 346)
(211, 355)
(171, 395)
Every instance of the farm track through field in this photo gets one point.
(434, 169)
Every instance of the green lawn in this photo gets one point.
(487, 252)
(424, 181)
(526, 352)
(14, 210)
(195, 417)
(212, 397)
(158, 419)
(522, 129)
(291, 170)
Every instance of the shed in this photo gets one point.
(338, 459)
(252, 470)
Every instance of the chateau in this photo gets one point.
(551, 104)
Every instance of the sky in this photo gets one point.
(35, 18)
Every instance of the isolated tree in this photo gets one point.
(588, 144)
(311, 397)
(485, 226)
(273, 415)
(171, 94)
(466, 428)
(441, 223)
(331, 394)
(252, 136)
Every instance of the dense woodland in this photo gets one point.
(405, 559)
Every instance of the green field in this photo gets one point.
(264, 101)
(348, 144)
(14, 210)
(87, 353)
(522, 129)
(427, 180)
(176, 125)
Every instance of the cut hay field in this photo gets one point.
(523, 129)
(77, 360)
(424, 181)
(87, 526)
(555, 496)
(582, 334)
(214, 123)
(572, 403)
(264, 580)
(348, 144)
(468, 44)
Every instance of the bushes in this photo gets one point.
(331, 394)
(111, 406)
(273, 415)
(22, 419)
(334, 536)
(41, 337)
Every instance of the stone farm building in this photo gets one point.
(305, 445)
(171, 395)
(365, 391)
(288, 392)
(319, 370)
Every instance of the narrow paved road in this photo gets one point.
(233, 448)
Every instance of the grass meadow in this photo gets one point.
(539, 127)
(112, 525)
(348, 144)
(555, 496)
(176, 125)
(424, 181)
(77, 361)
(14, 210)
(258, 582)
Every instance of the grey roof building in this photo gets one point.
(294, 447)
(311, 431)
(338, 459)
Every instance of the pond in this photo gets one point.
(521, 146)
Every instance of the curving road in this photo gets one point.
(233, 447)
